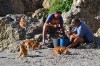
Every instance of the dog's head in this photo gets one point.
(57, 50)
(30, 42)
(23, 47)
(64, 50)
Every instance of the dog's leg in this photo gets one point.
(33, 48)
(28, 49)
(20, 54)
(24, 55)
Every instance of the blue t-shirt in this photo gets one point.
(84, 32)
(51, 19)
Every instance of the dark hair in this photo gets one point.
(75, 20)
(58, 12)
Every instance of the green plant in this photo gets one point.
(67, 5)
(62, 5)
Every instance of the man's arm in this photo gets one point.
(49, 25)
(48, 21)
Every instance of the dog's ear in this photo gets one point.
(35, 41)
(21, 43)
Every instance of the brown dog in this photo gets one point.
(32, 44)
(64, 50)
(57, 50)
(23, 51)
(60, 50)
(27, 45)
(22, 22)
(37, 45)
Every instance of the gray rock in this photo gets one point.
(46, 4)
(8, 7)
(19, 7)
(82, 9)
(40, 13)
(11, 32)
(97, 34)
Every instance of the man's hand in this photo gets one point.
(52, 26)
(55, 26)
(69, 32)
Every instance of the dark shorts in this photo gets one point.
(52, 30)
(87, 41)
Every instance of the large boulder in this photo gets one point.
(11, 6)
(40, 14)
(11, 34)
(97, 34)
(19, 6)
(32, 5)
(8, 35)
(86, 10)
(46, 4)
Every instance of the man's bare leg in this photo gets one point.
(77, 40)
(71, 38)
(45, 28)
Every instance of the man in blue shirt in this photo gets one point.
(52, 22)
(81, 34)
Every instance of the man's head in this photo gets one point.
(75, 22)
(57, 14)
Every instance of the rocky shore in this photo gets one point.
(11, 34)
(46, 57)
